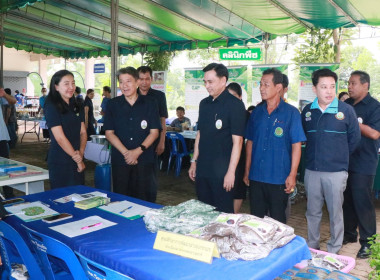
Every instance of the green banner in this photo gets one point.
(305, 92)
(240, 54)
(257, 73)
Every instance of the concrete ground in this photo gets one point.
(173, 190)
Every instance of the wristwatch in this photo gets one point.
(143, 148)
(193, 160)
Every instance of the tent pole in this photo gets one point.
(266, 45)
(2, 51)
(114, 44)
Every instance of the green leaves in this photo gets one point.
(374, 258)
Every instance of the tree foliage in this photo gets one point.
(317, 48)
(158, 61)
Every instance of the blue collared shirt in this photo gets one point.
(272, 137)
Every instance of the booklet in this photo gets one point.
(31, 211)
(125, 209)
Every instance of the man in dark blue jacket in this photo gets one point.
(332, 133)
(358, 208)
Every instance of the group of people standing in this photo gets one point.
(341, 152)
(341, 146)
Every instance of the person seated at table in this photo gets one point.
(65, 119)
(132, 124)
(181, 122)
(89, 119)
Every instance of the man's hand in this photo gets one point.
(77, 157)
(192, 171)
(160, 148)
(131, 156)
(229, 180)
(290, 184)
(2, 92)
(246, 179)
(81, 166)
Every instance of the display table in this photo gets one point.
(29, 184)
(128, 247)
(35, 126)
(189, 134)
(98, 153)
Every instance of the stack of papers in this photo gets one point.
(31, 211)
(126, 209)
(92, 202)
(8, 169)
(78, 197)
(83, 226)
(28, 172)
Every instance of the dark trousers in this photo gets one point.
(12, 135)
(61, 175)
(90, 130)
(211, 191)
(135, 180)
(265, 197)
(358, 207)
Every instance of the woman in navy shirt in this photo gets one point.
(89, 118)
(65, 120)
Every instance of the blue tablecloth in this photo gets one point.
(128, 247)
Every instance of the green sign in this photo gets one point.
(240, 54)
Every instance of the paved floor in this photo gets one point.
(173, 190)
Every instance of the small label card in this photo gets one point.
(186, 246)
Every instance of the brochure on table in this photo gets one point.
(78, 197)
(83, 226)
(31, 211)
(126, 209)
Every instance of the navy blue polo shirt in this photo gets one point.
(88, 102)
(272, 137)
(160, 98)
(71, 126)
(132, 124)
(331, 135)
(364, 159)
(219, 119)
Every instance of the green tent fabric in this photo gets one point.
(81, 28)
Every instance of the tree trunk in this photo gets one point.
(337, 41)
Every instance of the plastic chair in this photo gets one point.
(97, 271)
(177, 139)
(47, 249)
(9, 235)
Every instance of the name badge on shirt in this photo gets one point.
(218, 124)
(144, 124)
(308, 116)
(360, 120)
(278, 131)
(339, 116)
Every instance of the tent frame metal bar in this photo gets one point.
(336, 6)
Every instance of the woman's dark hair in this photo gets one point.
(55, 97)
(89, 91)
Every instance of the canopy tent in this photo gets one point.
(82, 28)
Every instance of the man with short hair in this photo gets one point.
(332, 133)
(145, 82)
(273, 149)
(285, 85)
(358, 208)
(181, 121)
(218, 143)
(131, 126)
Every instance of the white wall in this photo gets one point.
(17, 60)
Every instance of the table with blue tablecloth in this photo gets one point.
(128, 247)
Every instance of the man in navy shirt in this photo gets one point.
(273, 150)
(131, 126)
(218, 143)
(332, 133)
(358, 208)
